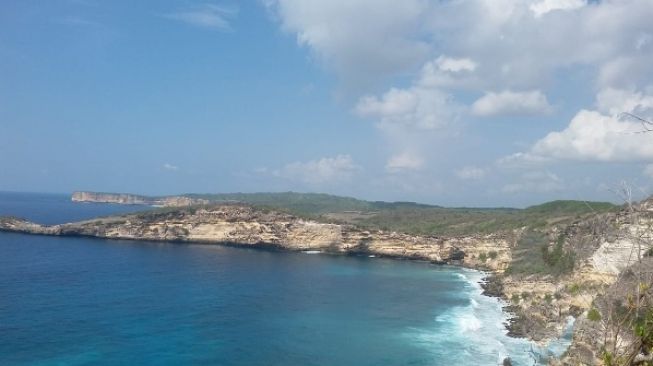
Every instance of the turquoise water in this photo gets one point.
(82, 301)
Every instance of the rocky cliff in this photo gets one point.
(132, 199)
(244, 225)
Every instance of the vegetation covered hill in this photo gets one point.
(414, 218)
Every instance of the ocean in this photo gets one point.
(85, 301)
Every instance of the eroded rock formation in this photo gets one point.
(244, 225)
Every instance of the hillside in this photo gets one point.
(407, 217)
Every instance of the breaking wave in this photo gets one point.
(475, 334)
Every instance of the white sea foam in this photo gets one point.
(477, 331)
(312, 251)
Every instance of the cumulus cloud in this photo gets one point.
(522, 42)
(455, 64)
(511, 103)
(346, 36)
(545, 6)
(513, 53)
(592, 136)
(616, 101)
(206, 16)
(325, 170)
(404, 161)
(415, 107)
(536, 182)
(596, 136)
(470, 173)
(423, 105)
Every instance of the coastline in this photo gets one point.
(245, 226)
(485, 280)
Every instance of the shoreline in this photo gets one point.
(489, 283)
(247, 227)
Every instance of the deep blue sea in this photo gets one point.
(84, 301)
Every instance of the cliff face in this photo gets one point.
(244, 225)
(132, 199)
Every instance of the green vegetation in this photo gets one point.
(574, 288)
(533, 256)
(593, 315)
(558, 260)
(562, 207)
(482, 257)
(410, 217)
(303, 204)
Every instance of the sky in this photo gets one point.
(450, 102)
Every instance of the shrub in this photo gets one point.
(593, 315)
(482, 257)
(493, 254)
(574, 288)
(515, 298)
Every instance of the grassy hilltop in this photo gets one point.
(414, 218)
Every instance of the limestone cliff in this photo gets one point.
(245, 225)
(133, 199)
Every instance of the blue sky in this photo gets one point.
(475, 103)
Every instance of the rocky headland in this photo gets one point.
(249, 226)
(134, 199)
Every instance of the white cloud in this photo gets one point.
(455, 64)
(206, 16)
(414, 107)
(617, 101)
(597, 136)
(404, 161)
(471, 173)
(545, 6)
(522, 159)
(522, 43)
(435, 54)
(592, 136)
(511, 103)
(536, 182)
(604, 135)
(447, 72)
(321, 171)
(361, 40)
(168, 166)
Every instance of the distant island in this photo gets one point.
(548, 262)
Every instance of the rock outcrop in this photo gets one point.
(133, 199)
(245, 225)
